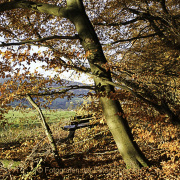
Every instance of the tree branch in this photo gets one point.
(47, 130)
(49, 91)
(68, 37)
(131, 39)
(142, 16)
(59, 59)
(35, 6)
(147, 16)
(164, 6)
(38, 40)
(119, 23)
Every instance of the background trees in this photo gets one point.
(146, 42)
(140, 41)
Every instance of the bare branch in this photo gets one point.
(131, 39)
(119, 23)
(164, 6)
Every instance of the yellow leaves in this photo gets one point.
(170, 146)
(151, 139)
(27, 143)
(169, 167)
(169, 134)
(7, 54)
(146, 135)
(18, 73)
(78, 54)
(56, 69)
(102, 121)
(88, 53)
(2, 53)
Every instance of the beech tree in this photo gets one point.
(29, 23)
(151, 59)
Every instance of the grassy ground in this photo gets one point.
(30, 117)
(94, 154)
(24, 124)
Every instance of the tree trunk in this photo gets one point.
(112, 110)
(150, 98)
(172, 116)
(47, 131)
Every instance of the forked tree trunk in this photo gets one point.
(112, 110)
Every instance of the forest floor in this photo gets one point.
(93, 154)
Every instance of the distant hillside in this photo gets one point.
(59, 103)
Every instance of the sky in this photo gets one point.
(70, 75)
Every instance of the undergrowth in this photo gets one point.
(94, 154)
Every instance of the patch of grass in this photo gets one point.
(95, 150)
(30, 117)
(26, 124)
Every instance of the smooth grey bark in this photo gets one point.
(112, 110)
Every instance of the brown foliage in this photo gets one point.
(94, 153)
(141, 42)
